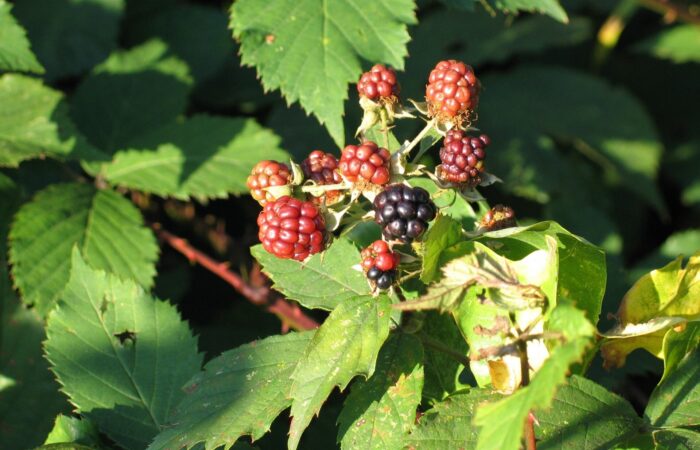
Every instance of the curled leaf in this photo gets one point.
(660, 300)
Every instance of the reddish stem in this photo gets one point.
(290, 314)
(530, 442)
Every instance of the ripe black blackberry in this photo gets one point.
(403, 212)
(462, 158)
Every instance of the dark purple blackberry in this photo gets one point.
(462, 158)
(385, 280)
(403, 212)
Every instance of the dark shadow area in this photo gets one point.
(112, 110)
(68, 37)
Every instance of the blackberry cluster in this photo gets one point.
(498, 218)
(291, 228)
(366, 162)
(267, 174)
(403, 212)
(379, 264)
(452, 90)
(321, 168)
(378, 84)
(462, 158)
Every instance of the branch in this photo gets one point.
(673, 11)
(290, 314)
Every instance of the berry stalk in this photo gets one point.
(419, 137)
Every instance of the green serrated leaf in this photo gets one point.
(551, 8)
(202, 157)
(381, 410)
(311, 49)
(318, 282)
(34, 122)
(69, 429)
(238, 393)
(582, 270)
(676, 401)
(108, 229)
(345, 345)
(585, 416)
(661, 299)
(69, 37)
(449, 424)
(15, 54)
(130, 94)
(120, 355)
(443, 233)
(502, 422)
(680, 44)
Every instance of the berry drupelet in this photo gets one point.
(379, 84)
(267, 174)
(452, 90)
(462, 158)
(321, 168)
(403, 212)
(291, 228)
(379, 264)
(366, 162)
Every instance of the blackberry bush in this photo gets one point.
(121, 169)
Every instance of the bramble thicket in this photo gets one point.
(344, 224)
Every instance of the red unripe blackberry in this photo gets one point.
(291, 228)
(462, 158)
(365, 162)
(379, 264)
(321, 168)
(379, 83)
(267, 174)
(403, 212)
(498, 218)
(452, 90)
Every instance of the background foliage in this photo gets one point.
(592, 109)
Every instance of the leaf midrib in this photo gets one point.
(129, 375)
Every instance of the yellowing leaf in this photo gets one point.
(662, 299)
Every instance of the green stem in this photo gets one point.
(385, 129)
(419, 137)
(609, 33)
